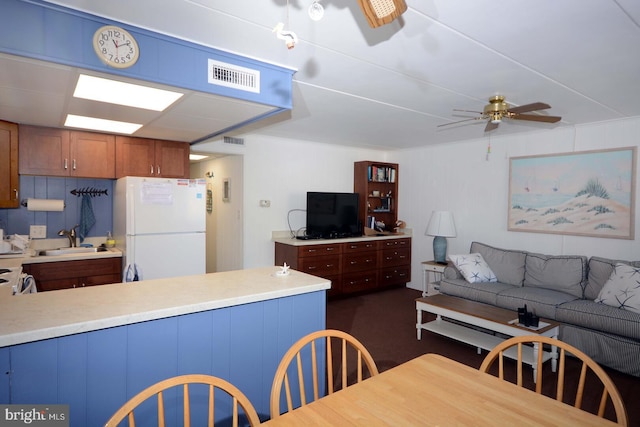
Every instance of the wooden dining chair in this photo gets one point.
(234, 396)
(305, 354)
(588, 367)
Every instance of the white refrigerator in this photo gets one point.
(159, 224)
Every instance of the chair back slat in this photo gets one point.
(344, 364)
(303, 394)
(160, 409)
(314, 371)
(329, 366)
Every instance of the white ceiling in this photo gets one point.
(388, 87)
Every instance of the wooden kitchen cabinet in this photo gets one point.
(52, 276)
(60, 152)
(319, 260)
(151, 158)
(9, 179)
(356, 266)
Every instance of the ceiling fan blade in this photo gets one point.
(536, 118)
(459, 121)
(529, 107)
(491, 126)
(468, 111)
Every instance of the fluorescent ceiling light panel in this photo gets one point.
(197, 157)
(128, 94)
(92, 123)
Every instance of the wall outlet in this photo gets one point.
(265, 203)
(38, 231)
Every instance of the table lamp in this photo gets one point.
(441, 226)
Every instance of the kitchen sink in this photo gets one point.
(71, 251)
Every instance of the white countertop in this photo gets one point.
(109, 253)
(33, 317)
(285, 238)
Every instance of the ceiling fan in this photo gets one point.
(497, 109)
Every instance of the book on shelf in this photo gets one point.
(381, 174)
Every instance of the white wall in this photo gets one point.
(460, 178)
(457, 177)
(282, 171)
(225, 222)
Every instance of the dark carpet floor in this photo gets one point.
(385, 323)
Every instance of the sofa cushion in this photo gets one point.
(564, 273)
(508, 265)
(600, 317)
(473, 268)
(600, 270)
(622, 290)
(540, 301)
(481, 292)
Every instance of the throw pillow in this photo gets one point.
(622, 290)
(473, 267)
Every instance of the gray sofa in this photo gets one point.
(562, 288)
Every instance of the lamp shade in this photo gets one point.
(441, 224)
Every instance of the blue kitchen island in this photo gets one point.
(93, 348)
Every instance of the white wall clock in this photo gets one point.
(116, 46)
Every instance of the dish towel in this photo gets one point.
(87, 218)
(131, 273)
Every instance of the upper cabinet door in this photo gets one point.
(172, 159)
(9, 179)
(93, 155)
(135, 156)
(151, 158)
(59, 152)
(44, 151)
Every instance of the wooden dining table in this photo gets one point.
(432, 390)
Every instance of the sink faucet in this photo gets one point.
(71, 235)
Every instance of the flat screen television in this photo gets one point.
(333, 215)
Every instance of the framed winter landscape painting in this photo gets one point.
(588, 193)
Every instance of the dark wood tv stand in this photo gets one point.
(353, 265)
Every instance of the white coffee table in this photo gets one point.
(475, 323)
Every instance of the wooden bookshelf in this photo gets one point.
(377, 185)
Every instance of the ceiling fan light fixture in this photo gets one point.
(496, 117)
(316, 11)
(381, 12)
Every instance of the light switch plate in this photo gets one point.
(38, 231)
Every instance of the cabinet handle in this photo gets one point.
(311, 267)
(66, 164)
(151, 172)
(329, 265)
(310, 250)
(158, 170)
(15, 191)
(354, 262)
(330, 249)
(74, 164)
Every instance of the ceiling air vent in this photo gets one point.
(232, 140)
(234, 76)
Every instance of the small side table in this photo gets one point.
(431, 268)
